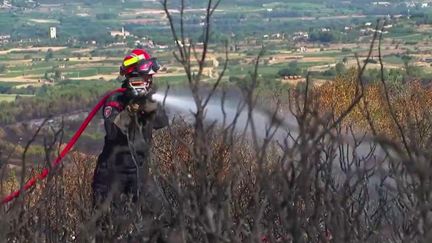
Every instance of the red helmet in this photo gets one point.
(138, 68)
(138, 62)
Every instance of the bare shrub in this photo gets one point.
(325, 181)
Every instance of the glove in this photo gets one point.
(133, 107)
(144, 105)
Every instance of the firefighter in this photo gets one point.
(129, 119)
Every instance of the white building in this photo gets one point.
(162, 46)
(4, 39)
(121, 33)
(53, 32)
(302, 49)
(411, 4)
(276, 36)
(385, 4)
(300, 36)
(6, 4)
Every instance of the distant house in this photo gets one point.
(6, 4)
(378, 31)
(276, 36)
(145, 43)
(364, 31)
(302, 49)
(162, 46)
(410, 4)
(383, 4)
(117, 44)
(53, 33)
(300, 36)
(178, 42)
(4, 39)
(121, 33)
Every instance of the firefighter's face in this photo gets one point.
(140, 85)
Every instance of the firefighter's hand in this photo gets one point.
(146, 106)
(133, 107)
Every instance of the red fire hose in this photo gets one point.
(30, 183)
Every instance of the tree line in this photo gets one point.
(64, 97)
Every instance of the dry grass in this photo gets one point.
(240, 192)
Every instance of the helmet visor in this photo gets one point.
(146, 67)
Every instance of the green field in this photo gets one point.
(295, 5)
(392, 59)
(11, 97)
(245, 22)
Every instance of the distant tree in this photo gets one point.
(329, 72)
(49, 55)
(345, 60)
(325, 37)
(57, 74)
(292, 69)
(406, 59)
(344, 49)
(409, 69)
(340, 68)
(2, 68)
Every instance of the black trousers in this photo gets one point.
(141, 201)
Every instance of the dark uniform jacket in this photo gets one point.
(122, 166)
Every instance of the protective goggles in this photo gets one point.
(142, 66)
